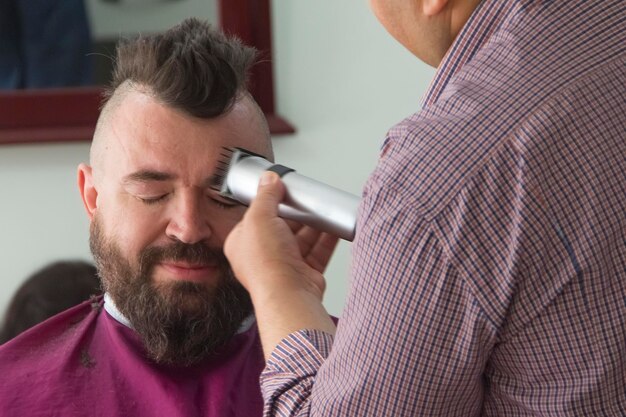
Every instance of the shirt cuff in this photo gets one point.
(289, 375)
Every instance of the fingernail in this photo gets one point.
(267, 178)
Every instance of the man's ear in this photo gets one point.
(87, 189)
(433, 7)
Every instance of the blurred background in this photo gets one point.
(339, 79)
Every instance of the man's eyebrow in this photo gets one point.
(148, 175)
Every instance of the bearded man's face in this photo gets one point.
(180, 322)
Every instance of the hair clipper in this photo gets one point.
(307, 201)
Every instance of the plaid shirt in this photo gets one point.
(489, 266)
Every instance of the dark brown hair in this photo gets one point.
(49, 291)
(190, 67)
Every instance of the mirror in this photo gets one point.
(69, 113)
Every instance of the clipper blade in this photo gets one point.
(228, 158)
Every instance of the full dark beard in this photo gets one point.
(180, 323)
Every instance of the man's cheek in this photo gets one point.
(227, 226)
(136, 234)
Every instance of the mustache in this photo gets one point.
(196, 253)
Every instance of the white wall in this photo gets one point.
(41, 214)
(340, 79)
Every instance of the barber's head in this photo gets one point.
(426, 28)
(157, 227)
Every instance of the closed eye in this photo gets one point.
(224, 203)
(152, 200)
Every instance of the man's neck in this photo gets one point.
(111, 308)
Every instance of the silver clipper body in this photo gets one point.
(307, 201)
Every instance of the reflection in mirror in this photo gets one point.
(69, 43)
(44, 43)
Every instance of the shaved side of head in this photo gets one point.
(100, 142)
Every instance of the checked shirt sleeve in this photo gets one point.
(290, 373)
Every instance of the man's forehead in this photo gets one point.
(142, 130)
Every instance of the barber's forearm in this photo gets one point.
(283, 312)
(268, 259)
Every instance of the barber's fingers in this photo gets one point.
(294, 225)
(269, 195)
(316, 248)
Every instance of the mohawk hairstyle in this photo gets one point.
(191, 67)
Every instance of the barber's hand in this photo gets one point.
(281, 271)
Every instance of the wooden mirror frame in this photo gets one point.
(70, 114)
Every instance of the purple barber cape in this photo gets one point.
(83, 362)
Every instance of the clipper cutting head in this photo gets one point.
(228, 157)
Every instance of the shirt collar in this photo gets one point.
(111, 308)
(486, 19)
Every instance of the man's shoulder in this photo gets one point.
(37, 363)
(36, 355)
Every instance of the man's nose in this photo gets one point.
(189, 220)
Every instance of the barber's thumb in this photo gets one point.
(269, 195)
